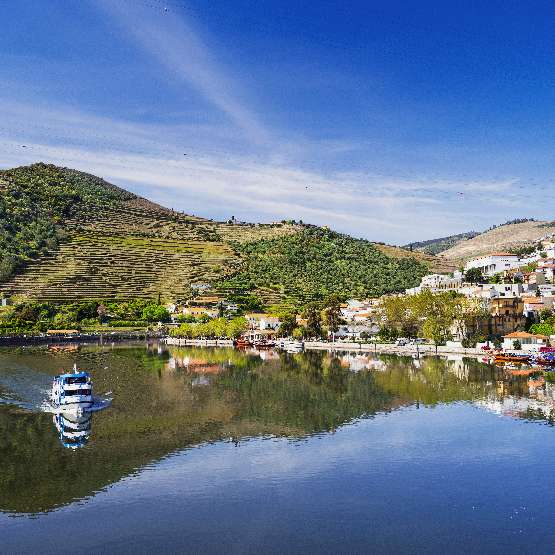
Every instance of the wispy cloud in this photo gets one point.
(178, 47)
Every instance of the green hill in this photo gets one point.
(66, 235)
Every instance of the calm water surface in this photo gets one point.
(220, 451)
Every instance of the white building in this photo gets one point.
(494, 263)
(437, 283)
(529, 342)
(547, 267)
(358, 311)
(262, 321)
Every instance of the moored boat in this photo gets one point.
(263, 344)
(521, 358)
(242, 343)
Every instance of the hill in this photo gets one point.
(436, 246)
(66, 235)
(506, 237)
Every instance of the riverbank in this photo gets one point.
(390, 348)
(198, 342)
(42, 339)
(384, 348)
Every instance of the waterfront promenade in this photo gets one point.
(383, 348)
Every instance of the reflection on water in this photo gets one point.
(170, 399)
(74, 431)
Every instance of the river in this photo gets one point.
(220, 451)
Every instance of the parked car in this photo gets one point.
(401, 342)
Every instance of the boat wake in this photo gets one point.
(70, 401)
(98, 404)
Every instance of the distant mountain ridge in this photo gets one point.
(436, 246)
(510, 236)
(66, 235)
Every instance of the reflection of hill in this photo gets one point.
(168, 400)
(157, 410)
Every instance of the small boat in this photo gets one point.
(263, 344)
(513, 357)
(72, 392)
(242, 343)
(545, 358)
(290, 345)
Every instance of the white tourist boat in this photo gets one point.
(72, 392)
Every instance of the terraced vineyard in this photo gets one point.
(131, 251)
(67, 236)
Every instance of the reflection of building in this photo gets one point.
(358, 362)
(196, 365)
(542, 404)
(456, 365)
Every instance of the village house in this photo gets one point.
(533, 279)
(437, 283)
(506, 315)
(359, 311)
(534, 305)
(198, 311)
(547, 267)
(528, 341)
(260, 321)
(492, 290)
(547, 290)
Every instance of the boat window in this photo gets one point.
(70, 381)
(78, 392)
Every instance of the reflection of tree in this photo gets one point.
(434, 381)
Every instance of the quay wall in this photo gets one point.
(388, 348)
(198, 342)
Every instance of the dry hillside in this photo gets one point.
(436, 264)
(502, 238)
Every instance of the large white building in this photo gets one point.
(494, 263)
(437, 283)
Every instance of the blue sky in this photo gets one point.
(394, 121)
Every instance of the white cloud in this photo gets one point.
(178, 47)
(216, 180)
